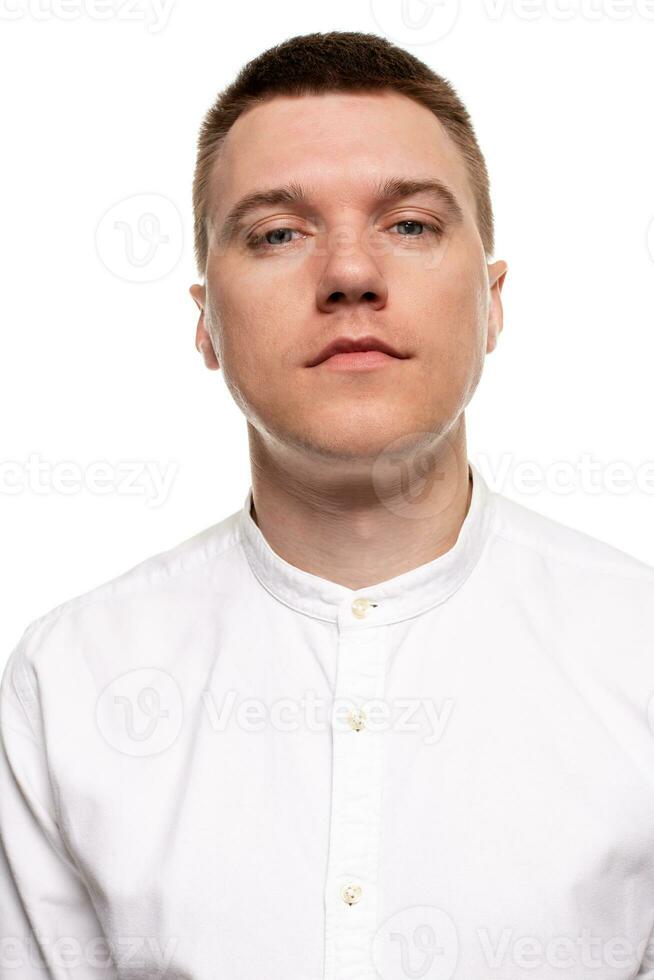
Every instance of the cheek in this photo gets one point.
(449, 317)
(254, 334)
(259, 317)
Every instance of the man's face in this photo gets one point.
(348, 265)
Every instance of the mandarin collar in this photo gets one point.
(402, 597)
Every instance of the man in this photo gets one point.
(381, 721)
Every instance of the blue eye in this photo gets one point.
(420, 224)
(261, 241)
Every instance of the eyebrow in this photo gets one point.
(389, 190)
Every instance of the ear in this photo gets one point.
(496, 274)
(202, 338)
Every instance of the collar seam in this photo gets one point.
(271, 592)
(489, 523)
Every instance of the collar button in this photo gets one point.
(361, 607)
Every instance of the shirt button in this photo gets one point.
(357, 719)
(361, 607)
(351, 894)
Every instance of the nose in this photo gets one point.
(351, 276)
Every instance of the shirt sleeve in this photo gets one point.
(48, 926)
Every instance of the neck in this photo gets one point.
(367, 525)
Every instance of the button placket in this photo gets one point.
(352, 874)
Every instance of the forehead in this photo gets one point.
(337, 143)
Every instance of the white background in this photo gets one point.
(102, 102)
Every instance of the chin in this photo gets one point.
(355, 438)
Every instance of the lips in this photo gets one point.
(349, 345)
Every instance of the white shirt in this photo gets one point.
(195, 774)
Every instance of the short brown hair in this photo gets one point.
(350, 61)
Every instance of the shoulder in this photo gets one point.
(551, 540)
(567, 564)
(139, 601)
